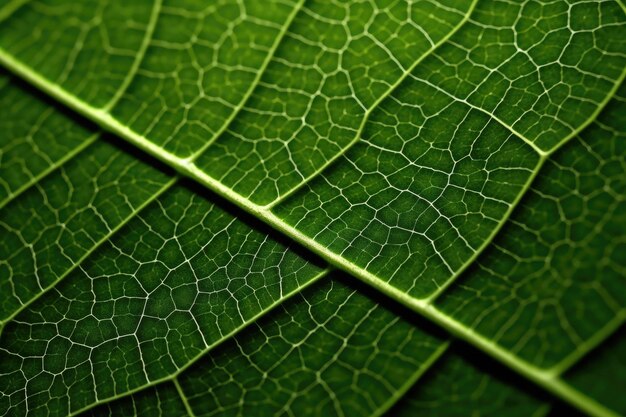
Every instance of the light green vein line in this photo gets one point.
(65, 159)
(252, 86)
(590, 344)
(508, 127)
(373, 107)
(154, 16)
(8, 9)
(99, 243)
(543, 153)
(183, 397)
(390, 402)
(210, 347)
(410, 382)
(593, 116)
(109, 123)
(543, 378)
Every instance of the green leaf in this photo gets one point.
(464, 158)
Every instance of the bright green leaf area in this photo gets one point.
(466, 159)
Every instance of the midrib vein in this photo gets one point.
(542, 378)
(119, 93)
(107, 110)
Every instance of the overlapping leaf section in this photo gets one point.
(606, 364)
(300, 360)
(460, 385)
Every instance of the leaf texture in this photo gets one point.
(464, 158)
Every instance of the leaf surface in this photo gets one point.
(464, 158)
